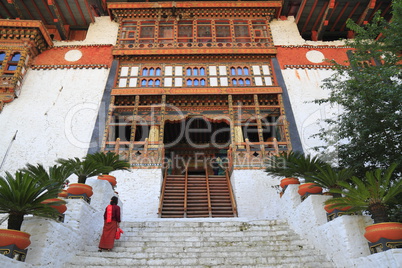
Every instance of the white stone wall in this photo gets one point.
(139, 190)
(255, 194)
(286, 33)
(54, 116)
(102, 32)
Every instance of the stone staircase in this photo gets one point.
(184, 243)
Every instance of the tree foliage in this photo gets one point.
(370, 92)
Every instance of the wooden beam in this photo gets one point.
(325, 19)
(339, 16)
(4, 8)
(350, 15)
(300, 11)
(363, 17)
(38, 11)
(309, 15)
(80, 10)
(16, 8)
(89, 11)
(58, 19)
(70, 12)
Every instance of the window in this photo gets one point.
(2, 56)
(260, 31)
(127, 34)
(185, 29)
(223, 33)
(242, 33)
(204, 32)
(147, 31)
(16, 57)
(165, 34)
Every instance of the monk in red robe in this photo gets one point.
(112, 221)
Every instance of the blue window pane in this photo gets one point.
(241, 82)
(202, 82)
(232, 71)
(143, 82)
(12, 67)
(16, 57)
(157, 82)
(151, 71)
(145, 72)
(245, 70)
(2, 56)
(189, 82)
(151, 82)
(188, 71)
(158, 71)
(202, 71)
(234, 82)
(195, 71)
(239, 71)
(196, 82)
(248, 82)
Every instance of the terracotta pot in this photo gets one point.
(387, 230)
(286, 181)
(80, 188)
(60, 208)
(109, 178)
(14, 237)
(309, 188)
(63, 194)
(330, 210)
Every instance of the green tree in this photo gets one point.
(370, 92)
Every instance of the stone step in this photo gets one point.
(226, 243)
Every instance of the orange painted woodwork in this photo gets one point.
(108, 178)
(80, 188)
(60, 208)
(310, 188)
(287, 181)
(14, 237)
(330, 210)
(388, 230)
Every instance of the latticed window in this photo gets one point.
(199, 30)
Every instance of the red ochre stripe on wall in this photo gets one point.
(75, 56)
(309, 56)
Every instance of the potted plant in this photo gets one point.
(374, 194)
(20, 195)
(83, 169)
(110, 162)
(295, 164)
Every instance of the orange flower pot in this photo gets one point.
(387, 230)
(14, 237)
(330, 210)
(80, 188)
(309, 188)
(63, 194)
(60, 208)
(109, 178)
(287, 181)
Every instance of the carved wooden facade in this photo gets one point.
(196, 81)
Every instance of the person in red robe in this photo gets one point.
(112, 222)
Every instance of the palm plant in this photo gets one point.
(57, 174)
(110, 161)
(294, 164)
(373, 194)
(82, 168)
(329, 177)
(23, 194)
